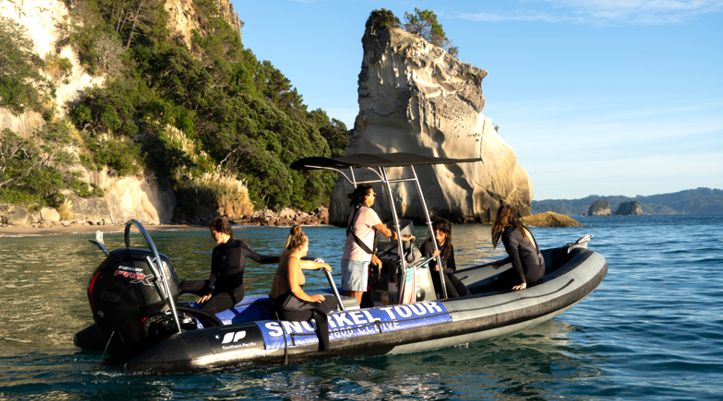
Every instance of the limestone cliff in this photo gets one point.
(183, 18)
(47, 24)
(415, 97)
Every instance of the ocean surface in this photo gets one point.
(653, 330)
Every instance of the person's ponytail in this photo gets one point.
(296, 239)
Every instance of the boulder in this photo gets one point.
(17, 216)
(288, 217)
(49, 215)
(550, 219)
(415, 97)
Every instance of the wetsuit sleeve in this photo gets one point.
(451, 264)
(215, 268)
(258, 258)
(511, 242)
(427, 251)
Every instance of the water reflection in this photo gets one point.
(534, 365)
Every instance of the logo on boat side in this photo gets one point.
(355, 323)
(233, 337)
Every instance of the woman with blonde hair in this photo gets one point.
(288, 297)
(527, 261)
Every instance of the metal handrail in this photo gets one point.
(440, 268)
(160, 272)
(334, 289)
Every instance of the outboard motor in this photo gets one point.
(129, 306)
(132, 298)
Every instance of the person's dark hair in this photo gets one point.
(296, 239)
(506, 217)
(444, 226)
(221, 225)
(357, 197)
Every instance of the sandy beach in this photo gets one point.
(77, 228)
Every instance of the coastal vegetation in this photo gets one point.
(185, 112)
(423, 23)
(202, 115)
(243, 116)
(22, 87)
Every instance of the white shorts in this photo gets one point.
(354, 275)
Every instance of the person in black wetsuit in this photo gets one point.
(289, 299)
(225, 286)
(527, 261)
(443, 233)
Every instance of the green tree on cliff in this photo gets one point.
(425, 24)
(21, 85)
(242, 115)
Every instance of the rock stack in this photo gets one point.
(415, 97)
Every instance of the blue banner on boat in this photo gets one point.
(355, 323)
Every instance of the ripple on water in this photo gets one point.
(653, 329)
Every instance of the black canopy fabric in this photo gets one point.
(400, 159)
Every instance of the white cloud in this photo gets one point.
(635, 12)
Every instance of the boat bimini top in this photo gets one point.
(350, 167)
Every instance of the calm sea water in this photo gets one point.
(652, 330)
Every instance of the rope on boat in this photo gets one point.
(286, 346)
(107, 344)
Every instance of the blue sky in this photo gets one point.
(606, 97)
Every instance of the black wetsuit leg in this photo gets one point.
(223, 300)
(455, 286)
(219, 301)
(293, 309)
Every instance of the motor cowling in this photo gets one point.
(129, 302)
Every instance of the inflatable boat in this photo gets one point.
(139, 322)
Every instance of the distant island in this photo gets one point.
(690, 201)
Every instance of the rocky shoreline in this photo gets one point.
(266, 217)
(38, 223)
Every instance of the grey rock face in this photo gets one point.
(599, 208)
(631, 208)
(415, 97)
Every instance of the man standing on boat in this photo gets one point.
(363, 223)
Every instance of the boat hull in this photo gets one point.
(392, 329)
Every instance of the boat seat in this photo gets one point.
(258, 307)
